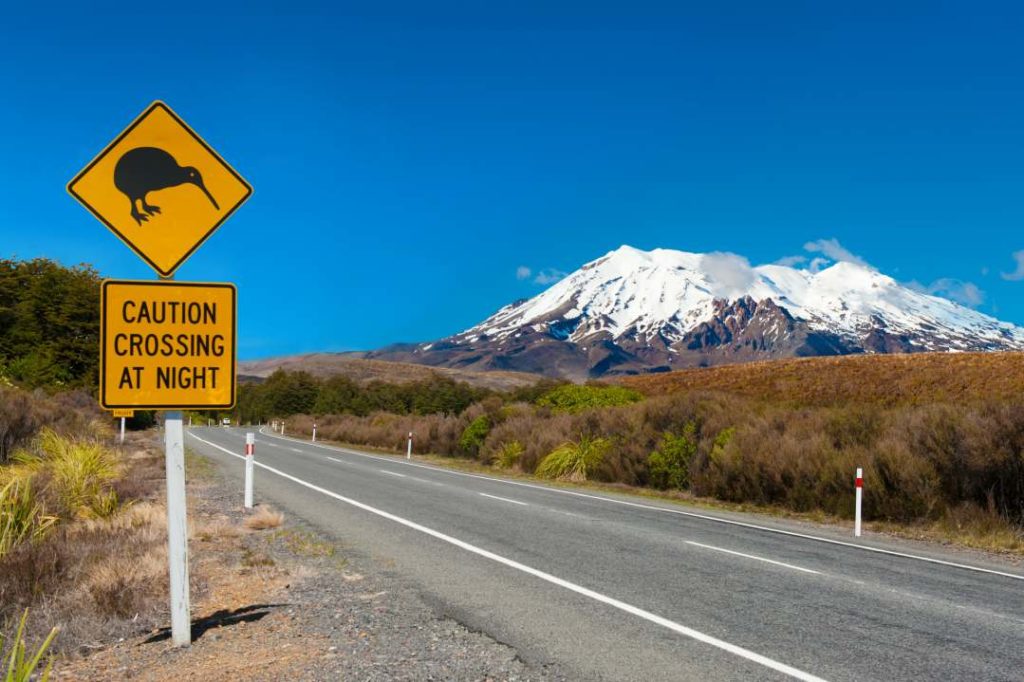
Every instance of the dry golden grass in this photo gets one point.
(264, 518)
(873, 379)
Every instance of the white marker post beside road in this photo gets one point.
(250, 453)
(408, 451)
(314, 432)
(857, 507)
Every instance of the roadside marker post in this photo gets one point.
(857, 507)
(122, 415)
(165, 345)
(314, 432)
(250, 454)
(408, 451)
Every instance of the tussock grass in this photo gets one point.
(264, 518)
(508, 455)
(574, 461)
(18, 665)
(22, 517)
(81, 542)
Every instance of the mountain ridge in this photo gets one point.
(633, 311)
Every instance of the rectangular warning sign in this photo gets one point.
(167, 345)
(126, 414)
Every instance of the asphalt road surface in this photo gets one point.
(621, 588)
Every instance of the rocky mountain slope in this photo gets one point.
(635, 311)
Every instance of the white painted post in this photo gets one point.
(177, 529)
(250, 453)
(314, 432)
(860, 487)
(408, 452)
(282, 428)
(122, 430)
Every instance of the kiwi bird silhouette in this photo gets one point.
(145, 169)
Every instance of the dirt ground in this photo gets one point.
(284, 603)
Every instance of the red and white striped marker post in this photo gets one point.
(860, 494)
(408, 452)
(250, 453)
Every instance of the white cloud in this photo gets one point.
(523, 272)
(1017, 274)
(964, 293)
(548, 276)
(791, 261)
(831, 248)
(731, 274)
(818, 264)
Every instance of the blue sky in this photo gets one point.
(411, 162)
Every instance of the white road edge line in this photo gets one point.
(391, 473)
(547, 577)
(504, 499)
(751, 556)
(680, 512)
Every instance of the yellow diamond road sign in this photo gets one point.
(167, 345)
(160, 188)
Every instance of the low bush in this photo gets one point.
(669, 465)
(575, 398)
(473, 436)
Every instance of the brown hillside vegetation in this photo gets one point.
(362, 370)
(886, 380)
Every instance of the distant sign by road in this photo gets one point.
(160, 188)
(167, 345)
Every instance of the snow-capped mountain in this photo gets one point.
(635, 311)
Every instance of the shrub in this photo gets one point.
(572, 398)
(473, 436)
(509, 454)
(575, 461)
(669, 465)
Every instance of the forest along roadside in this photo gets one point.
(273, 599)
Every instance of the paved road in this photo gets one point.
(620, 588)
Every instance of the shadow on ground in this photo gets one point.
(222, 618)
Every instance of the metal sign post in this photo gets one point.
(177, 529)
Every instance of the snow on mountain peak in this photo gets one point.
(667, 293)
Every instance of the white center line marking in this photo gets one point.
(335, 460)
(547, 577)
(392, 473)
(504, 499)
(751, 556)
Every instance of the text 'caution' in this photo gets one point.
(167, 345)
